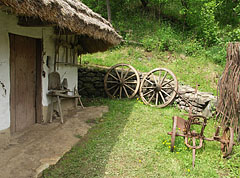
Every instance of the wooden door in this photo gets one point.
(23, 60)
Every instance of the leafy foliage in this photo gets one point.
(184, 26)
(202, 20)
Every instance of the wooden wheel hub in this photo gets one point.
(121, 82)
(158, 88)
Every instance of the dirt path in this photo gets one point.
(31, 152)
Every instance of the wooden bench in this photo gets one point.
(61, 94)
(58, 90)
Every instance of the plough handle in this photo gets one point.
(194, 146)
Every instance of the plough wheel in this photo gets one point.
(227, 137)
(173, 133)
(121, 80)
(158, 87)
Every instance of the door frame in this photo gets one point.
(38, 85)
(39, 68)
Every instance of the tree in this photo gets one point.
(108, 10)
(144, 3)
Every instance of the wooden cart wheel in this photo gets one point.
(121, 80)
(173, 133)
(158, 87)
(227, 138)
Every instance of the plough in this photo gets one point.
(186, 129)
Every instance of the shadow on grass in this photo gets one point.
(91, 155)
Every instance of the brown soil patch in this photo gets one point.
(35, 149)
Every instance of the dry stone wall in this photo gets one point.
(91, 84)
(91, 81)
(201, 102)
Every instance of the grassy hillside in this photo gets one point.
(151, 43)
(189, 70)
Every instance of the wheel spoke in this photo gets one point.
(113, 76)
(150, 99)
(149, 81)
(163, 78)
(162, 97)
(130, 77)
(115, 91)
(159, 77)
(148, 87)
(129, 87)
(112, 82)
(165, 93)
(117, 73)
(148, 92)
(154, 78)
(120, 94)
(112, 87)
(156, 103)
(124, 88)
(122, 72)
(168, 88)
(168, 82)
(126, 73)
(133, 82)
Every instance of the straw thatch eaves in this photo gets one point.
(97, 34)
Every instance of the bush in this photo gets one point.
(192, 48)
(163, 39)
(217, 54)
(235, 34)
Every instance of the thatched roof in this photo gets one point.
(72, 15)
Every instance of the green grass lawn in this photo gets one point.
(131, 141)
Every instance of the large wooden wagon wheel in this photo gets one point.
(121, 80)
(227, 141)
(159, 87)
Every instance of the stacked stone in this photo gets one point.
(91, 82)
(201, 102)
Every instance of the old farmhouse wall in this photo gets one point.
(8, 25)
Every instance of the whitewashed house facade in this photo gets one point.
(32, 38)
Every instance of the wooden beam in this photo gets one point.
(32, 22)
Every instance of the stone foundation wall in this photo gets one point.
(91, 81)
(91, 84)
(202, 102)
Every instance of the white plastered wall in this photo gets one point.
(8, 24)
